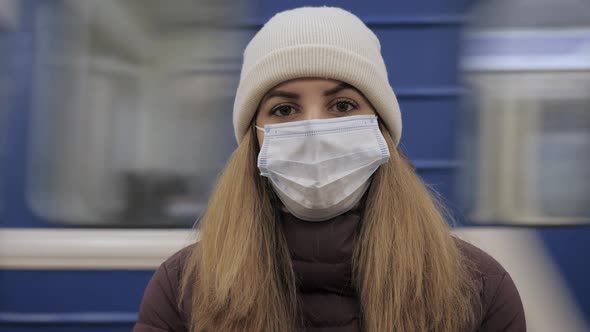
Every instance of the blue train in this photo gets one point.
(106, 106)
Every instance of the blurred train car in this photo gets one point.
(115, 119)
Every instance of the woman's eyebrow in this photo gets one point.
(278, 93)
(338, 88)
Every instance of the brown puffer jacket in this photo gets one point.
(321, 254)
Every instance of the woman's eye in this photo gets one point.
(344, 106)
(284, 110)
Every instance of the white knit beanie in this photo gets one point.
(315, 42)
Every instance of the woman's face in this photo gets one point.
(310, 98)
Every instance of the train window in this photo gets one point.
(564, 158)
(530, 149)
(131, 116)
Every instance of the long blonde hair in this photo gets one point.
(407, 268)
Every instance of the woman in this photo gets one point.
(318, 222)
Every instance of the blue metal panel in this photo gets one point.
(440, 181)
(21, 54)
(429, 128)
(66, 299)
(108, 290)
(369, 10)
(5, 98)
(118, 327)
(570, 247)
(421, 56)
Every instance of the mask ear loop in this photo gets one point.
(265, 184)
(254, 128)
